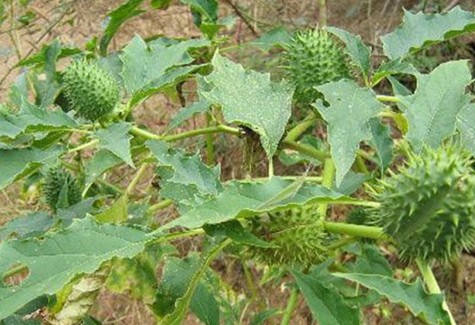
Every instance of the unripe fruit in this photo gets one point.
(61, 189)
(314, 58)
(91, 91)
(429, 207)
(63, 102)
(297, 233)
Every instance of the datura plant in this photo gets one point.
(119, 205)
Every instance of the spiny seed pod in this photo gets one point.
(91, 91)
(429, 207)
(61, 189)
(297, 234)
(314, 58)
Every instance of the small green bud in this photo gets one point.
(61, 189)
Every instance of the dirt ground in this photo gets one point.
(74, 22)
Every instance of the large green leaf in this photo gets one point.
(184, 178)
(360, 54)
(116, 139)
(34, 119)
(251, 99)
(15, 163)
(53, 261)
(326, 304)
(102, 161)
(420, 30)
(466, 125)
(438, 99)
(144, 63)
(411, 296)
(383, 142)
(116, 19)
(245, 199)
(351, 108)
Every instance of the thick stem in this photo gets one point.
(301, 127)
(384, 98)
(136, 179)
(86, 145)
(355, 230)
(159, 206)
(290, 306)
(328, 175)
(322, 13)
(175, 137)
(306, 149)
(433, 286)
(209, 142)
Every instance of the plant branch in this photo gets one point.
(180, 136)
(384, 98)
(286, 317)
(328, 175)
(355, 230)
(306, 149)
(433, 286)
(301, 127)
(136, 179)
(159, 206)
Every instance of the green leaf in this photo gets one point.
(234, 230)
(45, 55)
(16, 163)
(252, 99)
(117, 213)
(145, 64)
(53, 261)
(101, 162)
(438, 99)
(116, 19)
(327, 306)
(389, 68)
(359, 53)
(277, 37)
(116, 139)
(188, 112)
(160, 4)
(351, 108)
(411, 296)
(371, 261)
(33, 119)
(351, 183)
(207, 9)
(383, 142)
(137, 276)
(209, 314)
(420, 30)
(184, 178)
(466, 125)
(33, 223)
(244, 199)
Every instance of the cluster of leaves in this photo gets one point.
(111, 239)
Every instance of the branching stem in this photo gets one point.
(290, 306)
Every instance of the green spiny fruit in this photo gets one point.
(61, 189)
(91, 91)
(297, 234)
(429, 207)
(314, 58)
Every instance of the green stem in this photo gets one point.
(433, 286)
(209, 142)
(86, 145)
(159, 206)
(328, 175)
(175, 137)
(384, 98)
(306, 149)
(301, 127)
(136, 179)
(290, 307)
(315, 179)
(360, 165)
(322, 17)
(355, 230)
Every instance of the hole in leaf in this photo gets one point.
(16, 274)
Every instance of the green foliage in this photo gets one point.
(92, 92)
(128, 197)
(252, 99)
(428, 208)
(61, 189)
(419, 30)
(314, 58)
